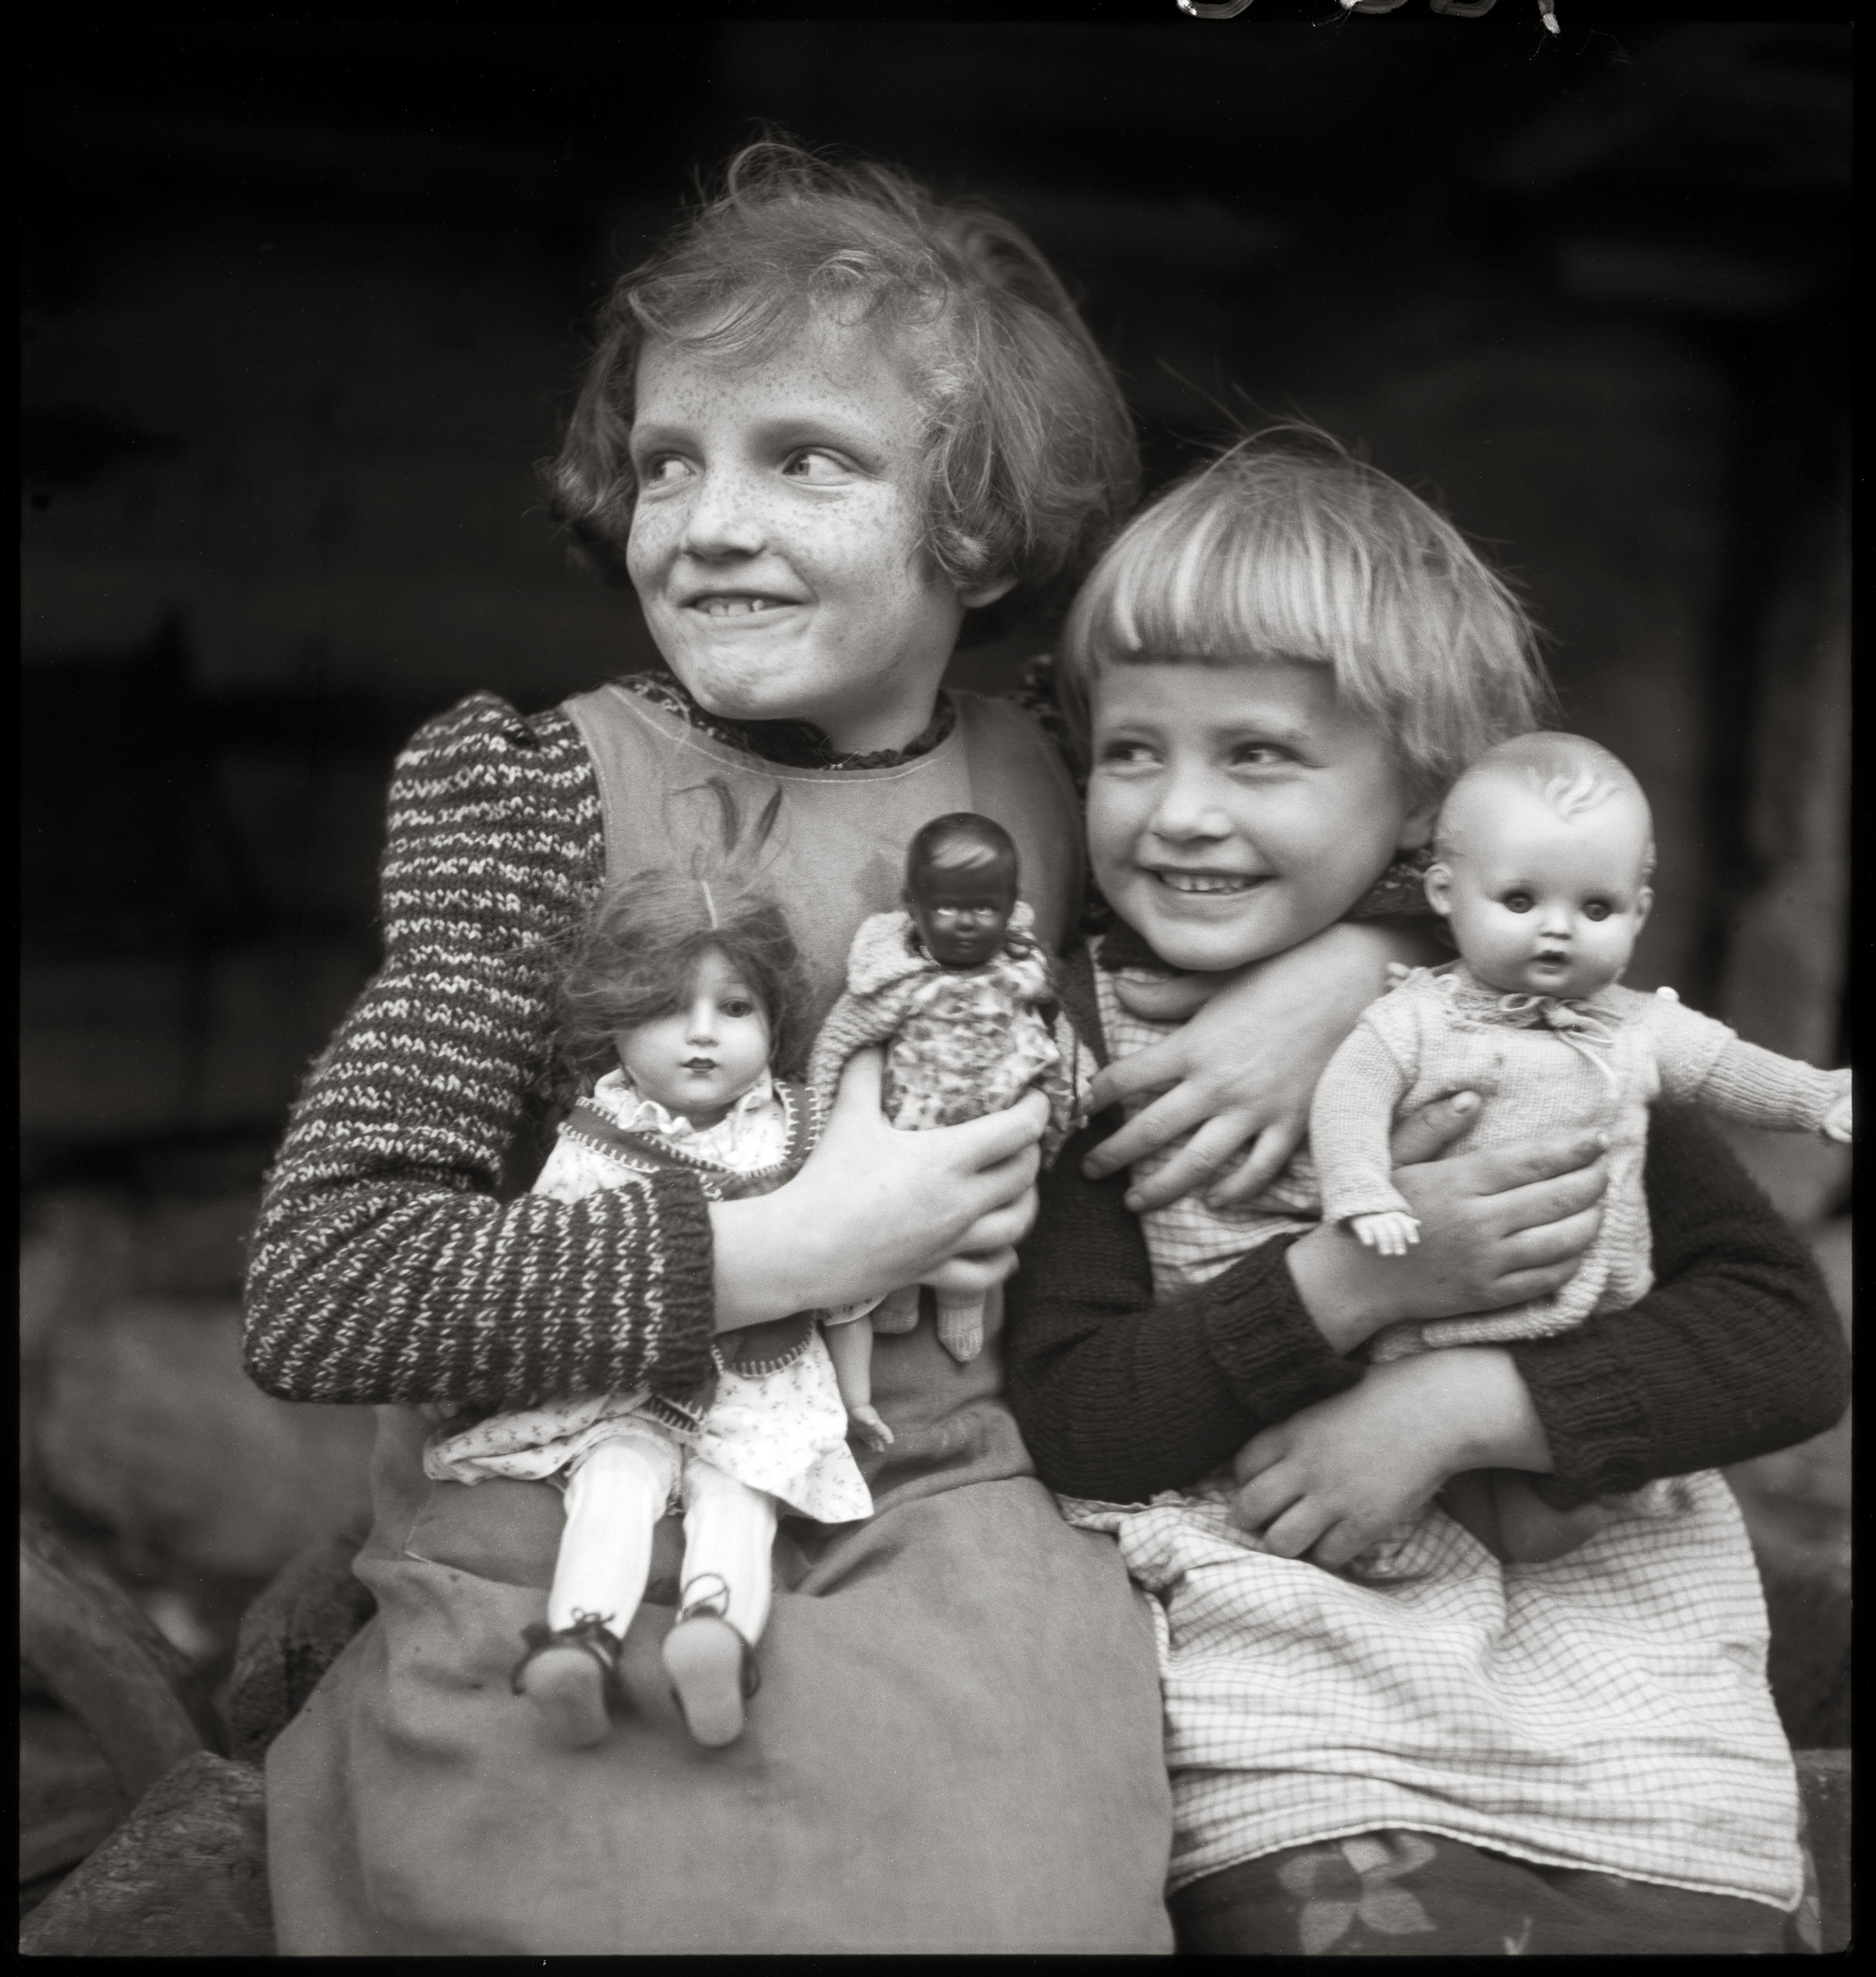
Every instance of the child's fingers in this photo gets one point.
(1426, 1133)
(1504, 1169)
(1266, 1498)
(1293, 1533)
(974, 1275)
(1158, 1068)
(1538, 1204)
(982, 1143)
(1343, 1541)
(1562, 1241)
(1261, 1451)
(860, 1083)
(1260, 1166)
(1212, 1148)
(1523, 1285)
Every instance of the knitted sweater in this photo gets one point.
(1736, 1352)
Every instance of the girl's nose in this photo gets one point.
(724, 516)
(1186, 809)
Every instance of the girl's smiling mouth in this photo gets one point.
(1200, 884)
(737, 604)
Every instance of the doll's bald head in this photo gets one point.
(1572, 777)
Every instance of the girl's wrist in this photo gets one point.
(1479, 1390)
(758, 1268)
(1329, 1269)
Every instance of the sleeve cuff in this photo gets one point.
(1275, 1360)
(1593, 1417)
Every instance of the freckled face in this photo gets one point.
(1540, 904)
(776, 541)
(1233, 811)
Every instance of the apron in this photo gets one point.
(957, 1743)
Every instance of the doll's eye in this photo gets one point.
(1596, 909)
(737, 1007)
(1516, 902)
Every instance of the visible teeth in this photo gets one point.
(1204, 882)
(734, 607)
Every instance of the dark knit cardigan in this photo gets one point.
(1736, 1351)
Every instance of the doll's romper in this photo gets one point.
(957, 1747)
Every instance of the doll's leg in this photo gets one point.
(615, 1497)
(897, 1311)
(729, 1537)
(961, 1323)
(849, 1346)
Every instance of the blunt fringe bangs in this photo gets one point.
(635, 956)
(1030, 460)
(1287, 547)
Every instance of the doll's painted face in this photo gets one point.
(1539, 904)
(703, 1056)
(962, 915)
(777, 541)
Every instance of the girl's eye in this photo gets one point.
(1517, 902)
(1126, 755)
(662, 470)
(818, 467)
(1596, 909)
(1259, 755)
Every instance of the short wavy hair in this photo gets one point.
(1030, 460)
(1286, 546)
(637, 954)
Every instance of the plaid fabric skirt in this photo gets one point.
(1605, 1713)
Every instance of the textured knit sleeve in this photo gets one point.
(1352, 1117)
(852, 1024)
(383, 1267)
(1118, 1397)
(1756, 1087)
(1737, 1351)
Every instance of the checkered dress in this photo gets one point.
(1607, 1712)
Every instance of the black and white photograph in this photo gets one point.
(935, 989)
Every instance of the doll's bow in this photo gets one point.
(1574, 1022)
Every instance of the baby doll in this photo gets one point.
(954, 986)
(691, 995)
(1542, 854)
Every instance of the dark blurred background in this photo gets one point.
(304, 304)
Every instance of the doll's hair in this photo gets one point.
(1569, 774)
(964, 841)
(1030, 454)
(1285, 546)
(637, 954)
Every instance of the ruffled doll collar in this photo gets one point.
(618, 1100)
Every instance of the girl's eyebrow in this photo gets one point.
(787, 430)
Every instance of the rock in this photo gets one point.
(149, 1426)
(289, 1636)
(69, 1795)
(185, 1875)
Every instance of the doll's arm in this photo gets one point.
(1758, 1087)
(1350, 1124)
(853, 1023)
(849, 1346)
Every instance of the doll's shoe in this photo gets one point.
(712, 1668)
(571, 1675)
(961, 1330)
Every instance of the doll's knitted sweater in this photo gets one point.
(960, 1042)
(1540, 1066)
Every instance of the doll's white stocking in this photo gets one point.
(615, 1498)
(897, 1311)
(961, 1323)
(729, 1536)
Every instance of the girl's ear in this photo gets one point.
(1439, 884)
(979, 594)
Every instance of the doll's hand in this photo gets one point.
(1836, 1121)
(865, 1422)
(1244, 1069)
(1337, 1476)
(1389, 1233)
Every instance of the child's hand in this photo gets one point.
(865, 1422)
(1389, 1233)
(874, 1207)
(1497, 1228)
(1337, 1476)
(1244, 1069)
(1836, 1121)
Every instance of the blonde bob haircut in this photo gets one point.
(1029, 455)
(1286, 547)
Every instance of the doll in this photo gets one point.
(1543, 851)
(691, 995)
(954, 985)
